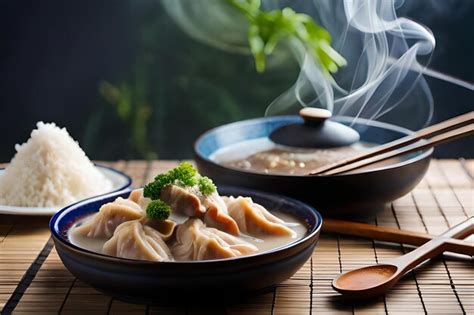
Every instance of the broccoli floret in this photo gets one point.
(158, 210)
(152, 190)
(184, 175)
(206, 186)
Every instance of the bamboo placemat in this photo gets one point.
(33, 279)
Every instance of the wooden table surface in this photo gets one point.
(33, 279)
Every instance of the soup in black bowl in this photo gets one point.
(222, 152)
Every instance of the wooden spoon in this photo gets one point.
(377, 279)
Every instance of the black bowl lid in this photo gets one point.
(317, 131)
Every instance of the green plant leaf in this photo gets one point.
(267, 29)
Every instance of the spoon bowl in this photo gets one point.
(377, 279)
(367, 281)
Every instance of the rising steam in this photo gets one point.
(383, 79)
(383, 73)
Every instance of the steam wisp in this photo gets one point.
(383, 75)
(387, 57)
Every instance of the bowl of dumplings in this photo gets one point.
(181, 236)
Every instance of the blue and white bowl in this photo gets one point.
(148, 281)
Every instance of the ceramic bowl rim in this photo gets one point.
(422, 155)
(311, 232)
(125, 176)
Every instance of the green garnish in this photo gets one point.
(185, 175)
(206, 186)
(158, 209)
(268, 28)
(152, 190)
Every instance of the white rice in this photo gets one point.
(49, 170)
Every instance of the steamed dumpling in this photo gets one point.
(217, 216)
(182, 201)
(211, 209)
(111, 215)
(254, 219)
(137, 196)
(195, 241)
(165, 227)
(133, 240)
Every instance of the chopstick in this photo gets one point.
(394, 235)
(417, 146)
(408, 144)
(427, 132)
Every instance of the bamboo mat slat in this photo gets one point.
(444, 285)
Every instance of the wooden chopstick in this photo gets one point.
(417, 146)
(427, 132)
(394, 235)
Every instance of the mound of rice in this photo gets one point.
(50, 169)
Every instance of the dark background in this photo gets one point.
(55, 54)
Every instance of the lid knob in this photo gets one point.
(313, 114)
(317, 131)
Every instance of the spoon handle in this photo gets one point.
(395, 235)
(434, 247)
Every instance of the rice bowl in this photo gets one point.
(49, 171)
(119, 180)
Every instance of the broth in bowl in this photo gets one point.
(262, 243)
(263, 156)
(181, 217)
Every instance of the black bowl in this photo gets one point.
(351, 195)
(145, 281)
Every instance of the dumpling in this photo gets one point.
(133, 240)
(111, 215)
(217, 216)
(254, 219)
(137, 196)
(182, 201)
(165, 227)
(195, 241)
(211, 209)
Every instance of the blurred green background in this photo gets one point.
(127, 82)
